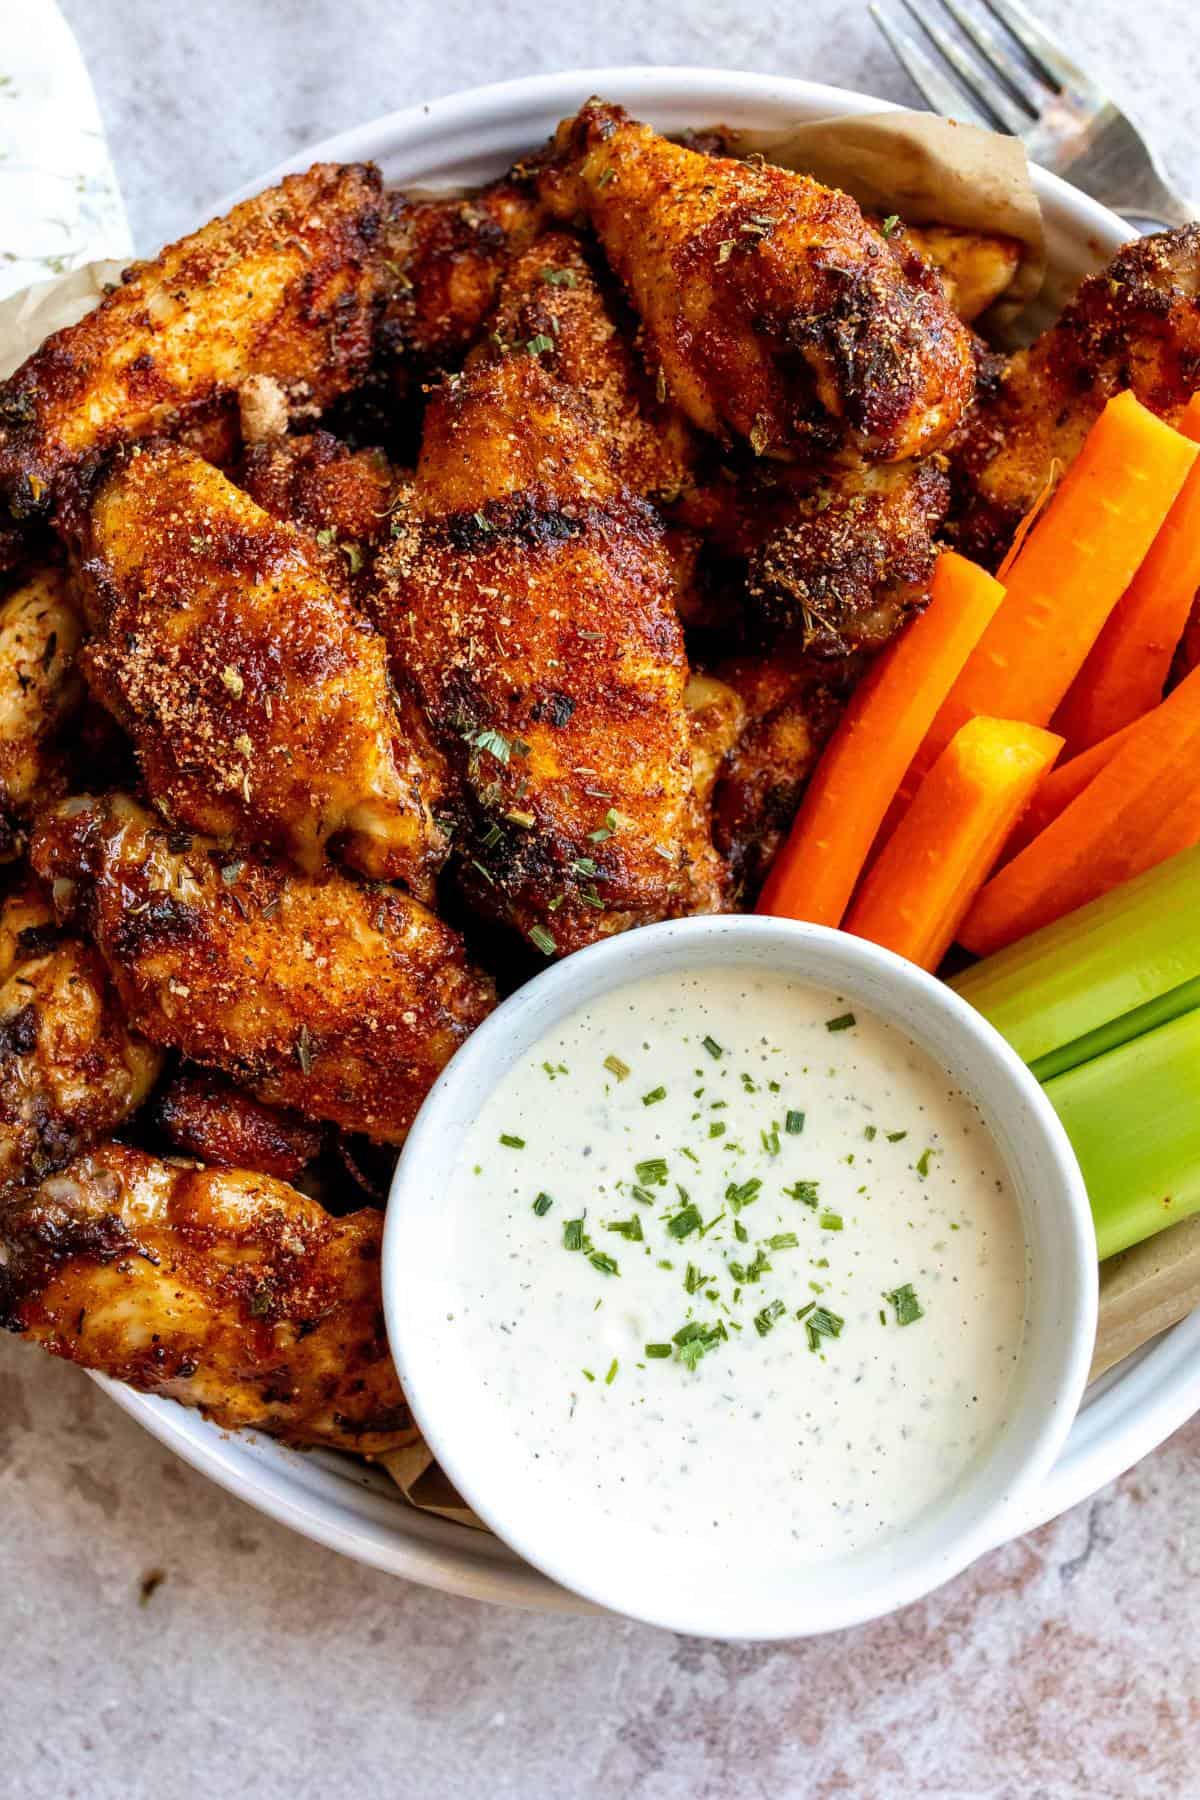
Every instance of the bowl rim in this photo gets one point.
(1123, 1418)
(1061, 1321)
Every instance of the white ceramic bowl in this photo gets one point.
(337, 1501)
(674, 1584)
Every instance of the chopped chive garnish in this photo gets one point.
(714, 1049)
(805, 1310)
(783, 1240)
(869, 1133)
(716, 1128)
(690, 1154)
(830, 1221)
(605, 1264)
(843, 1022)
(514, 1143)
(657, 1352)
(573, 1234)
(743, 1195)
(654, 1096)
(616, 1067)
(705, 1229)
(894, 1137)
(639, 1193)
(541, 940)
(652, 1172)
(627, 1228)
(612, 1373)
(770, 1141)
(804, 1191)
(922, 1163)
(694, 1279)
(542, 1205)
(822, 1323)
(749, 1083)
(794, 1124)
(908, 1307)
(764, 1321)
(589, 1374)
(740, 1232)
(685, 1222)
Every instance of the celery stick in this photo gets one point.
(1168, 1006)
(1104, 963)
(1133, 1117)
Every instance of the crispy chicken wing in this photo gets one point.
(40, 688)
(286, 286)
(791, 703)
(529, 596)
(1135, 326)
(345, 496)
(205, 1115)
(337, 999)
(770, 305)
(976, 267)
(221, 1289)
(256, 696)
(444, 259)
(70, 1069)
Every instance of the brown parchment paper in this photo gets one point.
(928, 171)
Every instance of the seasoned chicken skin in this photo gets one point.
(976, 267)
(40, 687)
(221, 1289)
(1135, 326)
(70, 1069)
(315, 480)
(287, 285)
(206, 1116)
(529, 596)
(339, 1000)
(256, 696)
(772, 308)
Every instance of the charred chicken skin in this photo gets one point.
(221, 1289)
(529, 596)
(773, 309)
(338, 1000)
(256, 696)
(286, 286)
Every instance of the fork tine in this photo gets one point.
(941, 95)
(992, 100)
(1041, 50)
(1012, 73)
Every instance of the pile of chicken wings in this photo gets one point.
(400, 593)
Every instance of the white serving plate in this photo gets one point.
(457, 142)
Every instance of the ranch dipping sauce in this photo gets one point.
(730, 1254)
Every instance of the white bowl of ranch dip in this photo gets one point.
(741, 1277)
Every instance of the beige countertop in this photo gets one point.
(162, 1639)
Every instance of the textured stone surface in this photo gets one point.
(1067, 1664)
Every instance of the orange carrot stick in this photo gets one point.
(1132, 815)
(1065, 782)
(916, 895)
(1127, 666)
(814, 874)
(1077, 561)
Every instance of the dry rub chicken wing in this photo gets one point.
(337, 999)
(976, 267)
(287, 286)
(256, 696)
(529, 597)
(771, 306)
(1135, 326)
(219, 1288)
(40, 687)
(206, 1116)
(71, 1071)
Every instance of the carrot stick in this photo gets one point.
(1136, 812)
(941, 853)
(1065, 782)
(1127, 666)
(1077, 561)
(814, 874)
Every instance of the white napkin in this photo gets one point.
(60, 206)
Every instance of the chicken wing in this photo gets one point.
(343, 496)
(772, 308)
(218, 1288)
(207, 1116)
(287, 285)
(1135, 326)
(70, 1069)
(976, 267)
(321, 994)
(444, 259)
(791, 702)
(529, 597)
(41, 688)
(256, 696)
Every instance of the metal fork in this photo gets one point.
(1017, 80)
